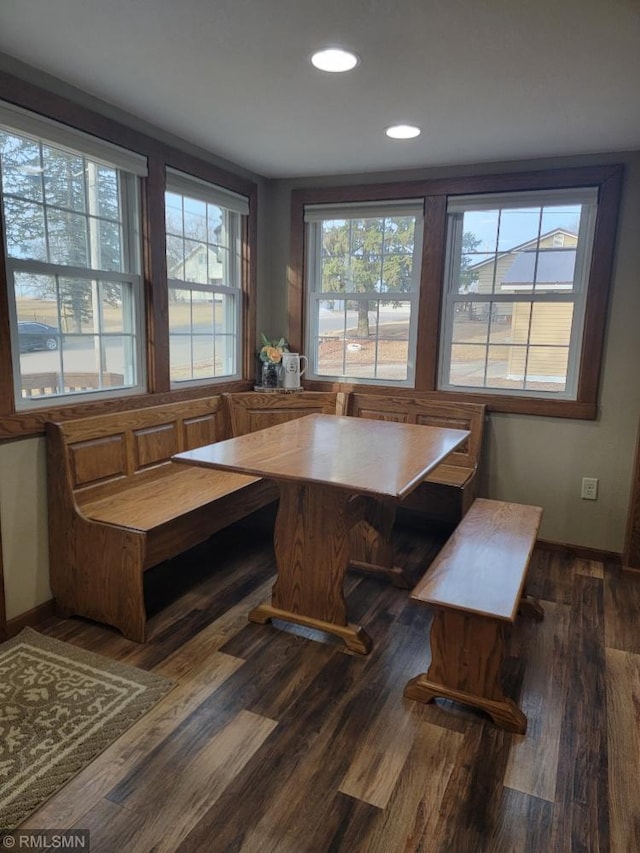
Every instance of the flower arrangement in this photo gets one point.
(271, 350)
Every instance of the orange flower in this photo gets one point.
(273, 354)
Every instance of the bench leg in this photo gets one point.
(371, 550)
(467, 651)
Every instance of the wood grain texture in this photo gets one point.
(582, 795)
(475, 585)
(447, 491)
(371, 549)
(341, 717)
(118, 505)
(533, 759)
(370, 457)
(311, 544)
(467, 652)
(145, 736)
(622, 605)
(482, 568)
(320, 462)
(623, 739)
(197, 785)
(253, 411)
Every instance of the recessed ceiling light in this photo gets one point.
(334, 59)
(403, 131)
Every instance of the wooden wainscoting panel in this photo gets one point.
(154, 444)
(97, 460)
(202, 430)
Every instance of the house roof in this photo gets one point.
(528, 245)
(553, 267)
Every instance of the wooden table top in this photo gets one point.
(365, 456)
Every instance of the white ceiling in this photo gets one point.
(485, 79)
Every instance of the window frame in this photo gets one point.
(236, 212)
(577, 296)
(607, 179)
(314, 295)
(131, 251)
(160, 156)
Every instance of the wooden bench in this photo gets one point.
(475, 586)
(450, 489)
(254, 410)
(118, 505)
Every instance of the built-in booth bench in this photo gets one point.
(118, 505)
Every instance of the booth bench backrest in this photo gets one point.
(251, 411)
(104, 450)
(416, 410)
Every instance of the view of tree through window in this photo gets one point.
(72, 261)
(363, 293)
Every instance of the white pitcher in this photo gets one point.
(293, 369)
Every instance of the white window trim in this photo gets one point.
(456, 207)
(314, 216)
(130, 167)
(236, 205)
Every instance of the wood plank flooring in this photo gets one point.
(274, 741)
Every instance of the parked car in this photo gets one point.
(37, 336)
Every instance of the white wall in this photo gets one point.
(23, 520)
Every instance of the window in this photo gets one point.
(204, 269)
(491, 289)
(363, 287)
(516, 283)
(72, 248)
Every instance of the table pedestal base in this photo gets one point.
(312, 548)
(354, 637)
(371, 548)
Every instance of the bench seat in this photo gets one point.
(118, 505)
(153, 503)
(476, 588)
(450, 475)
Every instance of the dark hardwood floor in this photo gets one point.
(272, 741)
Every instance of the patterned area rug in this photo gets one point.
(60, 707)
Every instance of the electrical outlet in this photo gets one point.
(589, 489)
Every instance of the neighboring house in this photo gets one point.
(201, 265)
(545, 266)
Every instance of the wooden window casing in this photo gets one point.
(608, 180)
(154, 267)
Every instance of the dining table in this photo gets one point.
(335, 474)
